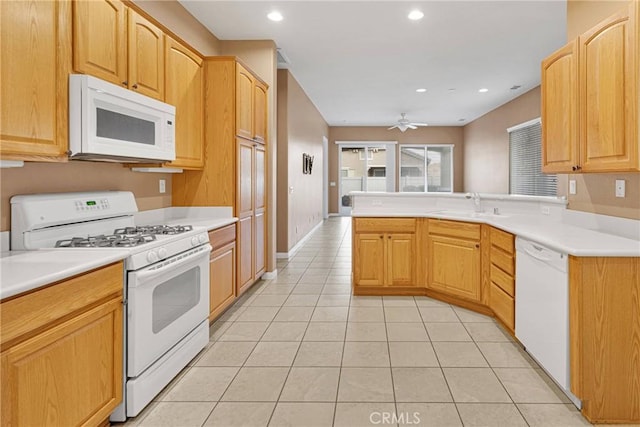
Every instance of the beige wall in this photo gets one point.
(80, 176)
(260, 57)
(87, 176)
(423, 135)
(300, 130)
(486, 143)
(596, 192)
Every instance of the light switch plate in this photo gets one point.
(572, 186)
(332, 184)
(162, 186)
(620, 188)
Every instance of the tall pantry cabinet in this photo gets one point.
(235, 165)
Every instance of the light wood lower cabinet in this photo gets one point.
(502, 286)
(454, 258)
(222, 270)
(61, 360)
(604, 337)
(384, 252)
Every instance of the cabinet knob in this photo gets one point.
(477, 245)
(573, 168)
(388, 237)
(124, 83)
(381, 236)
(578, 167)
(135, 86)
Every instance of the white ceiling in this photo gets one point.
(360, 62)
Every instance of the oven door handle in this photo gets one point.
(182, 259)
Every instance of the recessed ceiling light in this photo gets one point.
(483, 90)
(275, 16)
(415, 15)
(453, 89)
(421, 90)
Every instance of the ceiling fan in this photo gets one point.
(404, 124)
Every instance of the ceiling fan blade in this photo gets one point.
(392, 127)
(420, 124)
(411, 126)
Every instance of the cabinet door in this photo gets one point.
(245, 198)
(244, 102)
(100, 39)
(146, 57)
(454, 266)
(35, 40)
(260, 243)
(184, 89)
(401, 254)
(608, 91)
(369, 259)
(245, 254)
(560, 110)
(260, 112)
(68, 375)
(260, 177)
(222, 274)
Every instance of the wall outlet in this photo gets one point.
(572, 186)
(332, 184)
(162, 186)
(545, 210)
(620, 188)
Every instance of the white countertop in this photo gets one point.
(559, 236)
(22, 271)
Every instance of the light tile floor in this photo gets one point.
(300, 351)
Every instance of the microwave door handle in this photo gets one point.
(146, 275)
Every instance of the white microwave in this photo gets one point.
(111, 123)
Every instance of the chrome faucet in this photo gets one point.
(476, 201)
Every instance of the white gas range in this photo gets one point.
(166, 279)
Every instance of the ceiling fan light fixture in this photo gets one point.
(415, 15)
(275, 16)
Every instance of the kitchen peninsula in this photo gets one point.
(461, 249)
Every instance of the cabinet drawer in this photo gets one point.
(23, 316)
(222, 236)
(502, 279)
(503, 240)
(464, 230)
(502, 305)
(385, 225)
(502, 260)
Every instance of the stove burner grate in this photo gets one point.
(154, 229)
(106, 241)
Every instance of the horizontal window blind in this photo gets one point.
(525, 166)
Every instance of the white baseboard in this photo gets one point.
(270, 275)
(335, 214)
(301, 242)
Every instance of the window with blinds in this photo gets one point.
(525, 165)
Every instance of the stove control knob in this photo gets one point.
(152, 256)
(162, 253)
(202, 238)
(194, 241)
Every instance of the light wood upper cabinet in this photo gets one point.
(251, 106)
(35, 40)
(184, 88)
(146, 56)
(559, 110)
(608, 92)
(590, 99)
(100, 39)
(260, 111)
(244, 102)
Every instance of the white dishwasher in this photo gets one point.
(542, 309)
